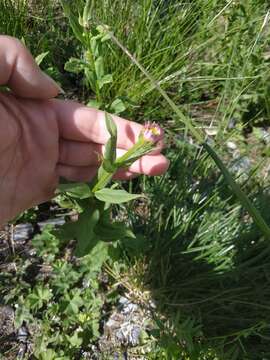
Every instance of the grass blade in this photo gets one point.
(245, 201)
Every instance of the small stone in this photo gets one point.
(211, 131)
(22, 232)
(6, 320)
(22, 334)
(231, 145)
(265, 136)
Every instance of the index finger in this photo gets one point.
(19, 71)
(80, 123)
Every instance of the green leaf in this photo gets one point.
(110, 124)
(46, 244)
(81, 230)
(114, 232)
(108, 167)
(76, 190)
(104, 30)
(49, 354)
(110, 148)
(86, 238)
(91, 78)
(106, 79)
(41, 57)
(108, 231)
(94, 44)
(115, 196)
(75, 65)
(93, 103)
(38, 297)
(71, 304)
(75, 340)
(73, 20)
(99, 67)
(105, 38)
(87, 12)
(91, 263)
(117, 106)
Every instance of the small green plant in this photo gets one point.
(94, 199)
(92, 61)
(62, 311)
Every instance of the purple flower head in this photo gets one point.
(152, 132)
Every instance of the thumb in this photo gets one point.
(19, 71)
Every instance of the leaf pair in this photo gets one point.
(93, 225)
(81, 230)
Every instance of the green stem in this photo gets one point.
(105, 177)
(130, 152)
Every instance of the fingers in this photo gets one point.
(79, 154)
(75, 153)
(86, 174)
(76, 173)
(80, 123)
(21, 74)
(149, 165)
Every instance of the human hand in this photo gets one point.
(42, 138)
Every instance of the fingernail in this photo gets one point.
(61, 90)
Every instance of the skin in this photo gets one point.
(42, 138)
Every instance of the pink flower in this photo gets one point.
(152, 132)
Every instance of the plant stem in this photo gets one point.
(105, 177)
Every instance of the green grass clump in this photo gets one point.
(204, 264)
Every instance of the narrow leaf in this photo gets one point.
(75, 66)
(106, 79)
(108, 166)
(115, 196)
(110, 148)
(110, 124)
(99, 67)
(77, 190)
(118, 106)
(73, 20)
(87, 11)
(94, 104)
(41, 57)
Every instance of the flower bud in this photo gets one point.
(152, 132)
